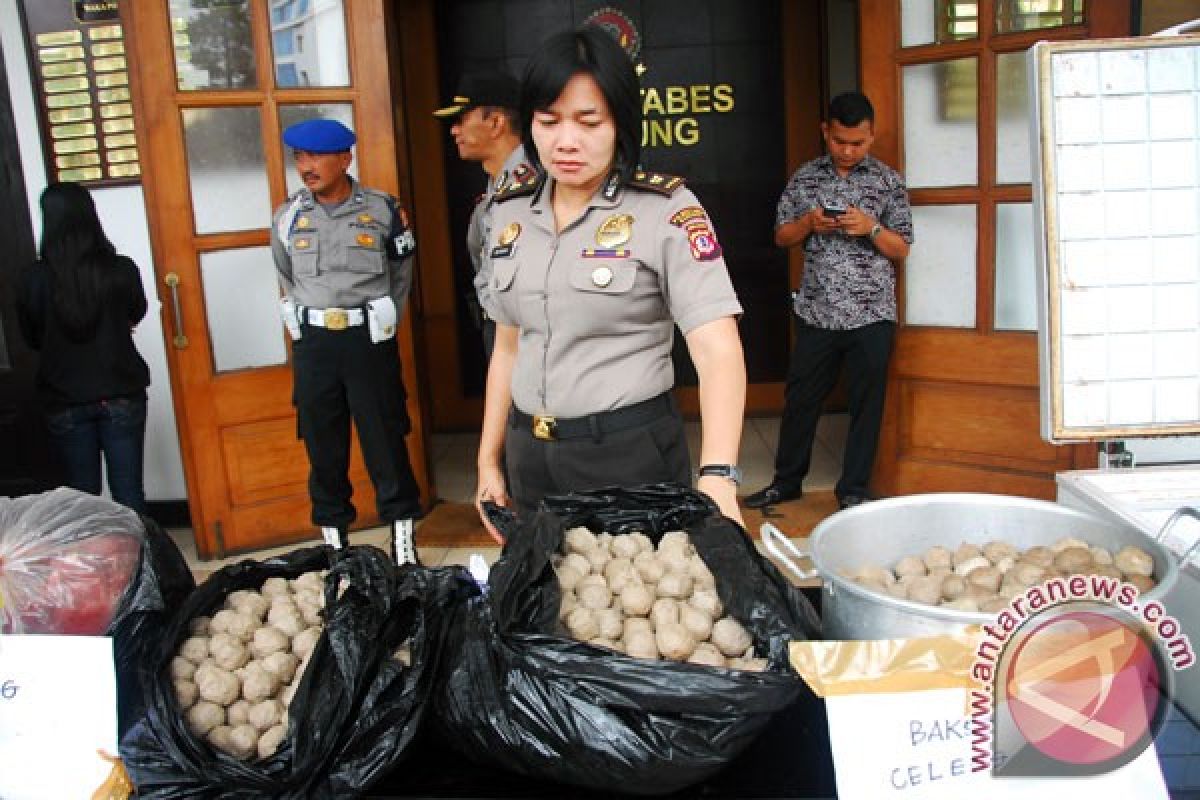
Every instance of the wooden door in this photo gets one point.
(947, 78)
(215, 83)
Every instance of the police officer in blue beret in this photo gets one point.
(344, 256)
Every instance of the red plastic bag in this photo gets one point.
(66, 560)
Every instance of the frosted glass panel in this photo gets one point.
(1012, 120)
(308, 38)
(940, 273)
(214, 44)
(1016, 268)
(225, 161)
(241, 295)
(290, 115)
(1028, 15)
(929, 21)
(940, 122)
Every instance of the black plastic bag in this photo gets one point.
(517, 693)
(355, 710)
(75, 563)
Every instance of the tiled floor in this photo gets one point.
(454, 472)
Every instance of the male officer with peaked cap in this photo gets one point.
(485, 125)
(344, 256)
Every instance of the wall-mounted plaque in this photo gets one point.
(1117, 206)
(80, 68)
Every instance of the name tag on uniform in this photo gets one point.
(503, 251)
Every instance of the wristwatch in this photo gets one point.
(875, 231)
(722, 471)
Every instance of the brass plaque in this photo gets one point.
(63, 69)
(109, 64)
(76, 145)
(73, 131)
(56, 38)
(130, 170)
(108, 49)
(77, 160)
(120, 140)
(112, 95)
(121, 156)
(112, 79)
(49, 55)
(104, 32)
(76, 84)
(116, 110)
(69, 100)
(70, 115)
(85, 174)
(117, 125)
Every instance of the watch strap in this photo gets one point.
(729, 471)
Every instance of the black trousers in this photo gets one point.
(817, 359)
(654, 452)
(341, 375)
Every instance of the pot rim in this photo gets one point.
(829, 526)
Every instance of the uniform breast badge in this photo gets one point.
(504, 242)
(365, 240)
(303, 222)
(365, 219)
(615, 231)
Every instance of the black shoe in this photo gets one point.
(852, 500)
(772, 495)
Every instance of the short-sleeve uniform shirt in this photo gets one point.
(847, 282)
(598, 302)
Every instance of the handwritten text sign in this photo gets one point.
(58, 707)
(917, 746)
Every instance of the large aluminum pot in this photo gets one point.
(884, 531)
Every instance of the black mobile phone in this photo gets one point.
(833, 209)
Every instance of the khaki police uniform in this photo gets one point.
(596, 306)
(479, 228)
(333, 262)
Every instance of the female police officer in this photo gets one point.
(594, 263)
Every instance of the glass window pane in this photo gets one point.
(940, 124)
(939, 274)
(1012, 120)
(309, 42)
(929, 21)
(1029, 15)
(1016, 268)
(214, 45)
(241, 298)
(291, 114)
(225, 160)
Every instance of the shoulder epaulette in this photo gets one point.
(656, 182)
(519, 186)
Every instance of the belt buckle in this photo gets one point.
(336, 319)
(543, 427)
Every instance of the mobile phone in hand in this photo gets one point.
(833, 209)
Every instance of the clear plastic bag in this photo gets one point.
(66, 561)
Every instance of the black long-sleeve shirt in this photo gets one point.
(104, 366)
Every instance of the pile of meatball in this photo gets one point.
(986, 578)
(235, 676)
(622, 593)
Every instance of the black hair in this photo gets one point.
(80, 258)
(850, 109)
(594, 52)
(511, 116)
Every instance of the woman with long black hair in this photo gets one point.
(77, 304)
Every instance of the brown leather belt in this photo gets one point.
(549, 428)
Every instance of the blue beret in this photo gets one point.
(319, 136)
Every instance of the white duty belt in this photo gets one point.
(334, 319)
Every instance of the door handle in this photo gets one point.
(172, 280)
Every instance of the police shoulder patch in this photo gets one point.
(519, 185)
(659, 182)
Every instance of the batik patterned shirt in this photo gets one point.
(847, 282)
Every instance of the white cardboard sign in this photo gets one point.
(917, 746)
(58, 707)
